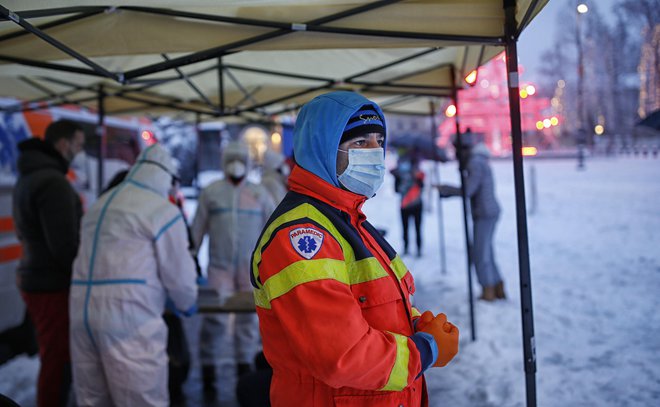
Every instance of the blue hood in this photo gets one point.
(318, 130)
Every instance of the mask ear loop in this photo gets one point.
(337, 175)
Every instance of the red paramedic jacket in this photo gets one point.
(333, 300)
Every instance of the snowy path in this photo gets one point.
(595, 262)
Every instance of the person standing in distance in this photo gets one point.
(480, 189)
(232, 212)
(409, 182)
(275, 174)
(47, 212)
(333, 297)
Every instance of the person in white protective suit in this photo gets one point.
(232, 211)
(133, 259)
(275, 175)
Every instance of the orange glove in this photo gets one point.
(444, 333)
(424, 319)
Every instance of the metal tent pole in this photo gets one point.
(526, 306)
(198, 150)
(466, 222)
(441, 226)
(100, 132)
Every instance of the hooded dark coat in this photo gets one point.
(47, 212)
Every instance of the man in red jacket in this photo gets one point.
(333, 297)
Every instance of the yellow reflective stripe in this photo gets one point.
(415, 312)
(399, 268)
(399, 375)
(364, 270)
(302, 211)
(260, 299)
(298, 273)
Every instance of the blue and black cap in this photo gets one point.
(365, 120)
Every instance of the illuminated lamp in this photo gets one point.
(523, 94)
(450, 111)
(554, 121)
(276, 138)
(148, 137)
(539, 125)
(546, 123)
(530, 89)
(529, 151)
(599, 129)
(471, 78)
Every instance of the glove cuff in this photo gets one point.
(428, 350)
(191, 311)
(202, 281)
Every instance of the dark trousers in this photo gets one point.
(415, 212)
(50, 314)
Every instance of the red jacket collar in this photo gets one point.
(304, 182)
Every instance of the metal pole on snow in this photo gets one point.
(526, 306)
(466, 222)
(436, 168)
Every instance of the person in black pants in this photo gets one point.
(409, 181)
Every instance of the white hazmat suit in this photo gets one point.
(133, 256)
(232, 213)
(275, 174)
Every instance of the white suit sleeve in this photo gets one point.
(175, 264)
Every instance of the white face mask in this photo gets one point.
(236, 169)
(365, 171)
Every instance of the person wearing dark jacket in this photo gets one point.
(480, 188)
(409, 181)
(47, 213)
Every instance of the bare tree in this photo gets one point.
(644, 16)
(611, 56)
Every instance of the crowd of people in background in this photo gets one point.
(106, 289)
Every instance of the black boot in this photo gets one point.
(208, 382)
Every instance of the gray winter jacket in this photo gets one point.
(479, 185)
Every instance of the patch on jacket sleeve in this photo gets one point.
(306, 241)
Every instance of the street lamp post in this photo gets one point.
(582, 132)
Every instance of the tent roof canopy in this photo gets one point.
(152, 56)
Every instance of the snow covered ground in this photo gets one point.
(594, 242)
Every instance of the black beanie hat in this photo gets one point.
(364, 120)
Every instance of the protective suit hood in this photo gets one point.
(272, 160)
(154, 169)
(235, 150)
(319, 128)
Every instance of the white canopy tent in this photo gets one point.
(252, 59)
(274, 54)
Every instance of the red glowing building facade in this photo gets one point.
(484, 108)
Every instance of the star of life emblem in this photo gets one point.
(306, 241)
